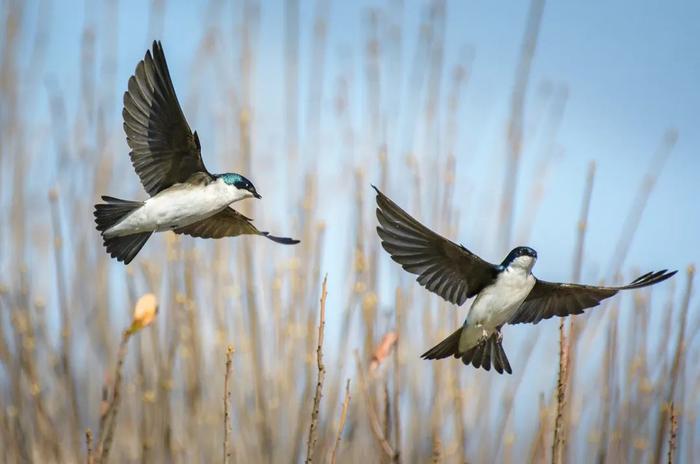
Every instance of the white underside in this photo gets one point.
(178, 206)
(495, 305)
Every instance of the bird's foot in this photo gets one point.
(484, 335)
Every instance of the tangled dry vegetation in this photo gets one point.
(238, 365)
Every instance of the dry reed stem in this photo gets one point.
(88, 445)
(375, 423)
(386, 423)
(672, 435)
(558, 438)
(227, 403)
(109, 419)
(65, 319)
(311, 442)
(565, 343)
(341, 424)
(397, 375)
(676, 364)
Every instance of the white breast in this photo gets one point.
(178, 206)
(497, 303)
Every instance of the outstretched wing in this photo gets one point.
(229, 223)
(442, 266)
(164, 151)
(549, 299)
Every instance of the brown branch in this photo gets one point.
(374, 422)
(343, 416)
(558, 438)
(108, 420)
(227, 403)
(676, 365)
(311, 442)
(397, 378)
(672, 435)
(565, 343)
(88, 443)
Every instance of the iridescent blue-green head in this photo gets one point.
(239, 182)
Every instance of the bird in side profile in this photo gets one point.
(167, 157)
(506, 293)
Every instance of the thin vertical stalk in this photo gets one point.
(341, 424)
(565, 343)
(675, 365)
(227, 404)
(311, 442)
(67, 373)
(109, 418)
(672, 435)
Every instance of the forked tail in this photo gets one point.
(486, 353)
(107, 215)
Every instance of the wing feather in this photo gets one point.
(164, 151)
(548, 299)
(442, 266)
(228, 223)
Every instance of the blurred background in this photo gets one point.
(568, 128)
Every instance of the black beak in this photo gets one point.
(256, 194)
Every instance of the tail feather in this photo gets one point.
(109, 214)
(486, 352)
(125, 248)
(447, 347)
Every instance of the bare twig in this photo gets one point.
(311, 442)
(341, 425)
(561, 395)
(227, 403)
(676, 364)
(108, 424)
(397, 376)
(673, 434)
(374, 422)
(558, 442)
(88, 444)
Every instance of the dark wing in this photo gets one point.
(228, 223)
(549, 299)
(442, 266)
(164, 151)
